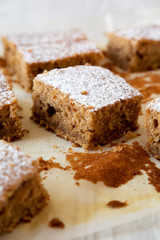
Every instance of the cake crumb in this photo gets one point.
(77, 183)
(55, 146)
(116, 204)
(130, 135)
(117, 148)
(84, 92)
(56, 223)
(70, 150)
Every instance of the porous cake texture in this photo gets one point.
(152, 123)
(136, 48)
(86, 105)
(21, 194)
(10, 124)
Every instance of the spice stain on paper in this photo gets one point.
(116, 167)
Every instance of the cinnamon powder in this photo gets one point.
(45, 165)
(116, 167)
(147, 84)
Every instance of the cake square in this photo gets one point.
(136, 48)
(10, 124)
(86, 105)
(21, 194)
(30, 54)
(152, 123)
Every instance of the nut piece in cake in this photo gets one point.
(21, 194)
(30, 54)
(108, 110)
(10, 125)
(152, 123)
(136, 48)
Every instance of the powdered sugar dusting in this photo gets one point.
(6, 94)
(102, 86)
(148, 32)
(57, 51)
(15, 168)
(52, 46)
(27, 39)
(154, 105)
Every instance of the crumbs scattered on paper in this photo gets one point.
(116, 204)
(56, 223)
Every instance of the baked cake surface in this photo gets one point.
(152, 123)
(53, 51)
(30, 54)
(148, 32)
(102, 86)
(136, 48)
(27, 39)
(87, 99)
(10, 125)
(21, 193)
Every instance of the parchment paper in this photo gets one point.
(82, 208)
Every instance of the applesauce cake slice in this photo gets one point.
(10, 124)
(152, 123)
(30, 54)
(21, 194)
(136, 48)
(86, 105)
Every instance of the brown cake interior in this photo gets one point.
(25, 203)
